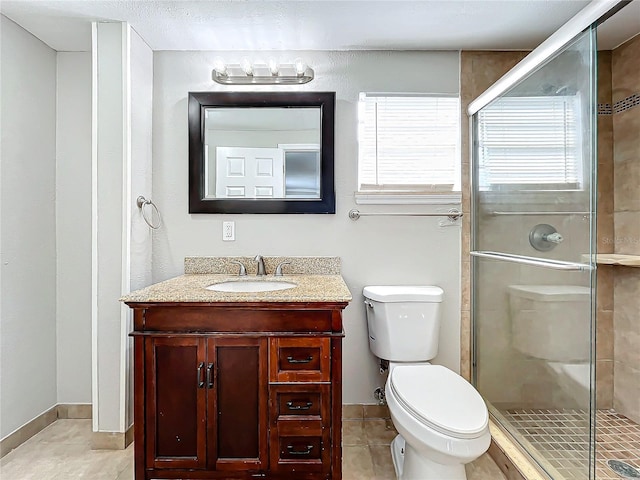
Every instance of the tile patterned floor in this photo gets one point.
(366, 454)
(62, 452)
(562, 438)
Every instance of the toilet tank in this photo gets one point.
(403, 321)
(551, 322)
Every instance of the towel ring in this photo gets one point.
(141, 202)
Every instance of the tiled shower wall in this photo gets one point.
(625, 68)
(478, 71)
(604, 302)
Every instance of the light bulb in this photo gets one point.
(219, 66)
(246, 66)
(273, 66)
(301, 67)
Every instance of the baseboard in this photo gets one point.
(111, 440)
(28, 430)
(42, 421)
(75, 410)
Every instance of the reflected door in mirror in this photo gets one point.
(249, 172)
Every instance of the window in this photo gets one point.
(408, 143)
(530, 143)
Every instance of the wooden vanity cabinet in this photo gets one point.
(205, 397)
(259, 402)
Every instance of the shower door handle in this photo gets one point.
(533, 261)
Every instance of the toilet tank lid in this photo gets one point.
(404, 293)
(551, 293)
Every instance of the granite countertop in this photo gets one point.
(191, 288)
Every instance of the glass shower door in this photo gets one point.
(533, 240)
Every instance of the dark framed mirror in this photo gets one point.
(261, 152)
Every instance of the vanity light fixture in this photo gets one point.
(272, 73)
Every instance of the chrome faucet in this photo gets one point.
(261, 272)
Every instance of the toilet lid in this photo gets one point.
(440, 398)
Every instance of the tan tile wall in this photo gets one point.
(626, 394)
(478, 71)
(604, 302)
(625, 65)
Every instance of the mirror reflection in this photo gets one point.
(262, 152)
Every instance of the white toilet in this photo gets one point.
(442, 420)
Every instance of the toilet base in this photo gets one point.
(410, 465)
(397, 454)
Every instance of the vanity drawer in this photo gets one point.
(222, 319)
(297, 402)
(300, 448)
(300, 452)
(300, 359)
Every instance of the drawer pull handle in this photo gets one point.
(291, 450)
(291, 406)
(290, 359)
(210, 375)
(200, 377)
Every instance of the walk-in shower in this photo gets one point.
(543, 336)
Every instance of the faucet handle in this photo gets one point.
(243, 270)
(279, 268)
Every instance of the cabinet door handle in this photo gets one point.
(291, 406)
(290, 359)
(291, 450)
(210, 375)
(200, 376)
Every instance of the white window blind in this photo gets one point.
(408, 142)
(529, 141)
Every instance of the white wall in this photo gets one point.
(109, 230)
(28, 293)
(122, 95)
(374, 250)
(73, 227)
(141, 100)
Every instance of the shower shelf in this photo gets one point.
(615, 259)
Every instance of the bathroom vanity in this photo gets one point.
(238, 385)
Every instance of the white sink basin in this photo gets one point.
(246, 286)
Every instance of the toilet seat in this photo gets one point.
(440, 399)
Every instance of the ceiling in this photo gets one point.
(65, 25)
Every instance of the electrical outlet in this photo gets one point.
(228, 231)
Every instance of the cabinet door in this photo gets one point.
(176, 402)
(237, 404)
